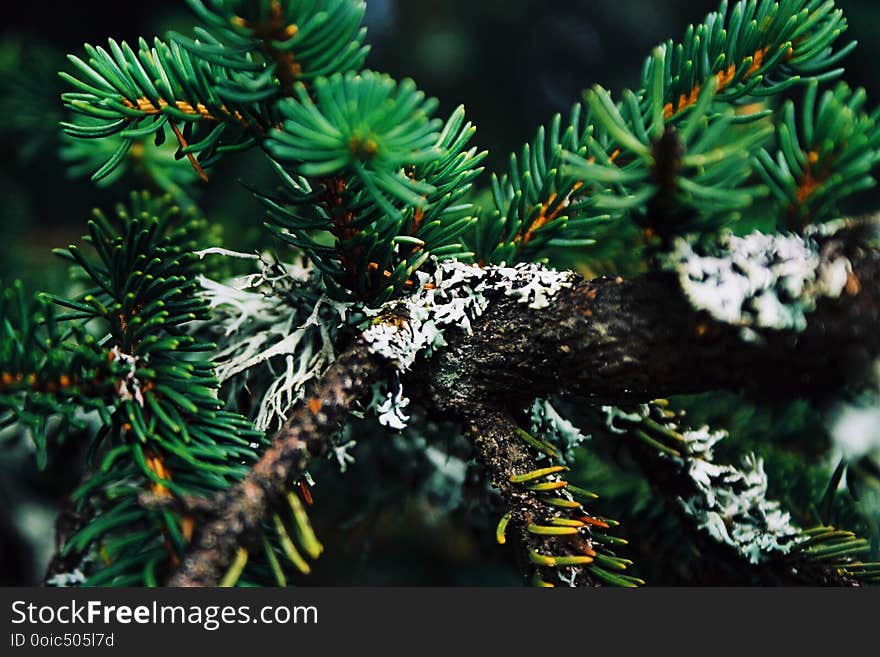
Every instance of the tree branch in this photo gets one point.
(531, 511)
(605, 340)
(672, 481)
(614, 341)
(237, 514)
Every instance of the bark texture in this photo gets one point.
(234, 517)
(606, 340)
(614, 340)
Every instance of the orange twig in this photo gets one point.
(192, 159)
(724, 78)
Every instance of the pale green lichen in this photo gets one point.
(272, 337)
(547, 423)
(758, 281)
(729, 503)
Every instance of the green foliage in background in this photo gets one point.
(732, 128)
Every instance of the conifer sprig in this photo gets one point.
(564, 535)
(47, 369)
(757, 48)
(365, 125)
(299, 39)
(826, 152)
(669, 179)
(536, 206)
(162, 88)
(387, 204)
(165, 432)
(565, 183)
(163, 428)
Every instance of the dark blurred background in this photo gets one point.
(512, 63)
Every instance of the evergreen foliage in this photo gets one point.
(825, 154)
(729, 129)
(387, 219)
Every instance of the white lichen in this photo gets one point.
(547, 423)
(758, 281)
(453, 296)
(855, 428)
(273, 337)
(727, 502)
(854, 422)
(342, 454)
(533, 284)
(731, 503)
(568, 576)
(343, 443)
(128, 387)
(73, 578)
(389, 407)
(404, 329)
(613, 415)
(733, 508)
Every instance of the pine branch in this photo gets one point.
(139, 94)
(162, 427)
(756, 48)
(627, 339)
(727, 509)
(374, 197)
(614, 340)
(557, 538)
(48, 370)
(667, 145)
(389, 204)
(327, 136)
(216, 93)
(826, 152)
(237, 514)
(300, 40)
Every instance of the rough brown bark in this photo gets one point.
(236, 515)
(615, 341)
(606, 340)
(503, 454)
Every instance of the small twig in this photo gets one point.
(234, 517)
(541, 530)
(190, 505)
(192, 159)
